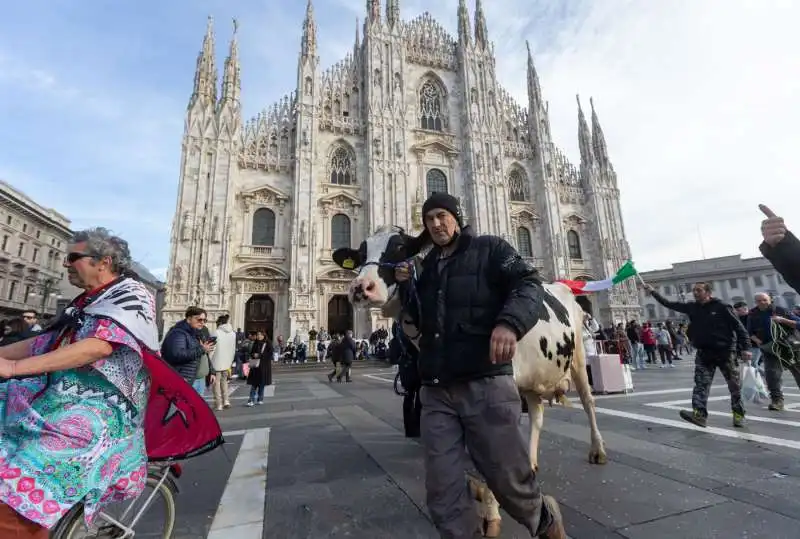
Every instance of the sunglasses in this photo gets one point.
(201, 320)
(74, 257)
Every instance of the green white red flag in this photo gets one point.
(587, 287)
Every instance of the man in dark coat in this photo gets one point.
(477, 298)
(184, 350)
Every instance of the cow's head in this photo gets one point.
(375, 261)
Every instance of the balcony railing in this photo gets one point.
(262, 252)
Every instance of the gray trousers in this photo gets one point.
(482, 417)
(773, 374)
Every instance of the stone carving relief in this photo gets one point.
(177, 277)
(263, 273)
(186, 227)
(213, 276)
(264, 286)
(216, 230)
(303, 239)
(265, 197)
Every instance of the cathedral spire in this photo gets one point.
(534, 89)
(357, 46)
(231, 81)
(205, 76)
(309, 41)
(481, 33)
(393, 12)
(584, 138)
(373, 11)
(464, 36)
(598, 138)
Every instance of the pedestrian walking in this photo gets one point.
(260, 375)
(717, 333)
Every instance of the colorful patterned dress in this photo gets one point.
(80, 437)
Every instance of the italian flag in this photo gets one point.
(587, 287)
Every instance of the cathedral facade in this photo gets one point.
(412, 110)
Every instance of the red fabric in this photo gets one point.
(575, 286)
(648, 336)
(178, 424)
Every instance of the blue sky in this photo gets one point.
(95, 92)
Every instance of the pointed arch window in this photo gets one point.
(518, 186)
(574, 245)
(285, 143)
(524, 243)
(340, 231)
(263, 227)
(431, 107)
(343, 171)
(435, 181)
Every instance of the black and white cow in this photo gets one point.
(547, 356)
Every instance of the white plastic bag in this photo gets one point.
(753, 388)
(626, 373)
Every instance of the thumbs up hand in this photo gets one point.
(772, 228)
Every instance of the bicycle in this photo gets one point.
(162, 480)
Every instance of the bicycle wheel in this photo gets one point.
(157, 522)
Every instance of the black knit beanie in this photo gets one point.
(445, 202)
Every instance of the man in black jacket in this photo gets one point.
(477, 298)
(184, 347)
(716, 332)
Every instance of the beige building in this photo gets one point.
(33, 243)
(411, 110)
(732, 278)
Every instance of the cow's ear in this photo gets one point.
(347, 258)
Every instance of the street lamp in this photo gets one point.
(46, 288)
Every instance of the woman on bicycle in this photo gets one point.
(72, 399)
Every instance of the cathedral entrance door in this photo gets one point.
(260, 315)
(340, 314)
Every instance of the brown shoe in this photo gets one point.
(556, 529)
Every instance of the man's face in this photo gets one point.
(441, 225)
(700, 293)
(742, 310)
(197, 321)
(29, 318)
(763, 301)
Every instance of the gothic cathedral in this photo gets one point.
(262, 204)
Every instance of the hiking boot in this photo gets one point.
(738, 420)
(776, 405)
(556, 529)
(694, 417)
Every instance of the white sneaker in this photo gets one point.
(250, 404)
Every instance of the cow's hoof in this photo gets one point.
(491, 528)
(598, 456)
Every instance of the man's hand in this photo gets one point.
(503, 344)
(648, 288)
(402, 272)
(212, 378)
(747, 354)
(773, 229)
(784, 321)
(208, 346)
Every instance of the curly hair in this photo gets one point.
(101, 243)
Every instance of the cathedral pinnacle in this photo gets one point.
(464, 35)
(205, 76)
(231, 81)
(534, 89)
(598, 138)
(393, 12)
(481, 32)
(584, 138)
(309, 41)
(373, 11)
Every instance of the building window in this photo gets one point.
(431, 107)
(340, 231)
(38, 234)
(524, 244)
(758, 281)
(27, 294)
(517, 186)
(5, 243)
(667, 290)
(263, 227)
(343, 171)
(435, 181)
(574, 245)
(651, 312)
(791, 299)
(20, 249)
(8, 220)
(12, 290)
(733, 283)
(35, 255)
(24, 227)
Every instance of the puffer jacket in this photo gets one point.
(181, 349)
